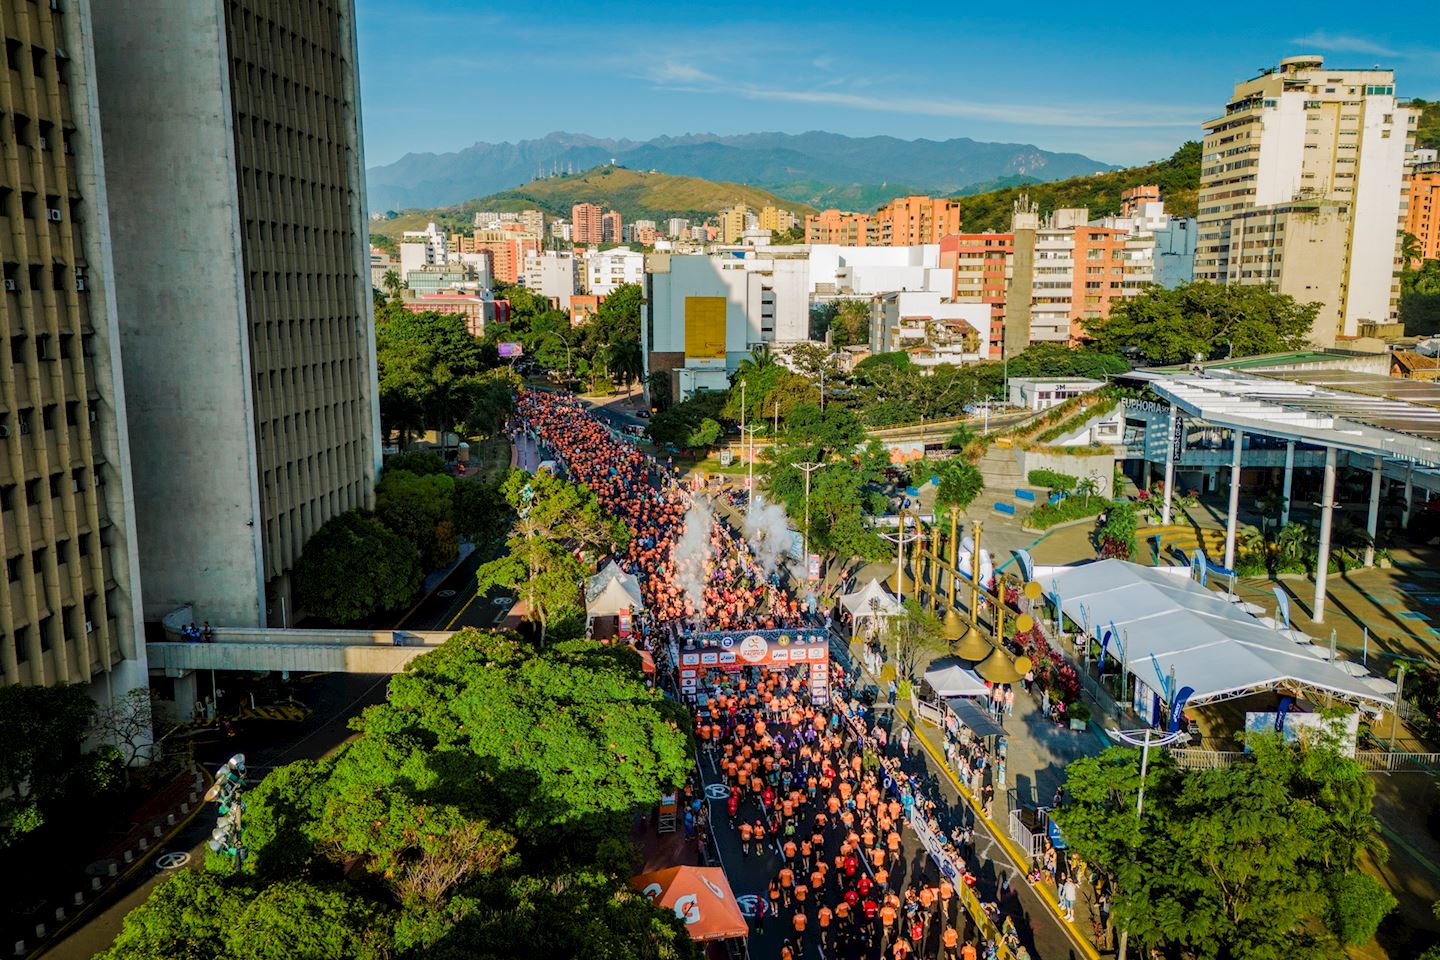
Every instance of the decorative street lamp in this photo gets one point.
(1143, 739)
(228, 837)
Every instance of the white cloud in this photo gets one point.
(681, 75)
(1345, 43)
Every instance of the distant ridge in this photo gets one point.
(817, 168)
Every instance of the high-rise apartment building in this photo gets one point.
(235, 174)
(585, 223)
(507, 250)
(841, 229)
(1422, 212)
(612, 227)
(1308, 150)
(908, 221)
(71, 612)
(981, 264)
(732, 223)
(776, 219)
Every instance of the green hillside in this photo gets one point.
(636, 194)
(1178, 177)
(1427, 132)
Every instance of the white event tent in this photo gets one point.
(954, 681)
(871, 600)
(610, 591)
(1166, 620)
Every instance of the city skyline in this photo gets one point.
(671, 72)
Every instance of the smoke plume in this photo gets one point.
(768, 534)
(691, 549)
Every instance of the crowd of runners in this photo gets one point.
(814, 795)
(734, 592)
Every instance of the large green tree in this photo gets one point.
(354, 567)
(484, 805)
(429, 365)
(1259, 860)
(556, 522)
(421, 511)
(41, 764)
(1203, 320)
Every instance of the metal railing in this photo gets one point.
(1373, 761)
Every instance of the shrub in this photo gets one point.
(1358, 902)
(1053, 480)
(1071, 508)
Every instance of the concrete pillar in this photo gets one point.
(1289, 478)
(1233, 515)
(1409, 496)
(1372, 519)
(1327, 516)
(1144, 474)
(1169, 467)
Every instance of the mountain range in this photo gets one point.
(816, 168)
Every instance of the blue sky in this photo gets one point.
(1122, 83)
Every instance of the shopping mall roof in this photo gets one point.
(1170, 625)
(1360, 412)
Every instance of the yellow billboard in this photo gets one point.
(705, 328)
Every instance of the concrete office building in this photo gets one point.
(840, 273)
(1303, 133)
(606, 270)
(703, 314)
(232, 130)
(555, 276)
(71, 612)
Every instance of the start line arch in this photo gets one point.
(697, 653)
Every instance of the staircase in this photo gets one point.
(1005, 483)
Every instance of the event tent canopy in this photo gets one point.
(871, 600)
(952, 680)
(700, 896)
(611, 590)
(973, 717)
(1168, 621)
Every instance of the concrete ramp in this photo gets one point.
(299, 651)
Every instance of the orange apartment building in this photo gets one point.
(507, 252)
(903, 222)
(910, 221)
(612, 228)
(1422, 216)
(585, 224)
(981, 264)
(844, 229)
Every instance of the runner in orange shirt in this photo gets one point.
(745, 833)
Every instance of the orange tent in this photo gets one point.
(700, 896)
(647, 662)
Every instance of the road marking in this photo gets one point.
(457, 616)
(173, 860)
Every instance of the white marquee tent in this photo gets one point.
(611, 590)
(1165, 619)
(871, 600)
(955, 681)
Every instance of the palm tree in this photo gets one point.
(391, 283)
(625, 361)
(761, 360)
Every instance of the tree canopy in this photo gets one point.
(430, 370)
(354, 567)
(556, 523)
(485, 804)
(1203, 320)
(1256, 860)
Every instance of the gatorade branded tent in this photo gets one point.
(700, 896)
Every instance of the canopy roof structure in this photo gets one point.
(871, 600)
(700, 896)
(973, 717)
(949, 679)
(1169, 623)
(610, 590)
(1363, 413)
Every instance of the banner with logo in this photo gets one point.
(732, 649)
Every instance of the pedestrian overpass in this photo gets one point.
(297, 650)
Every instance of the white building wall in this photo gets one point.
(1282, 150)
(1375, 219)
(607, 270)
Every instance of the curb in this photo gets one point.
(84, 914)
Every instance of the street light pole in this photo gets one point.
(808, 467)
(1134, 738)
(750, 481)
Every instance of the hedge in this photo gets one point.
(1071, 508)
(1053, 480)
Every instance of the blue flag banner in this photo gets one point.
(1281, 711)
(1197, 566)
(1178, 706)
(1027, 564)
(1282, 606)
(1104, 644)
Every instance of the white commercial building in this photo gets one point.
(930, 330)
(1314, 155)
(607, 270)
(838, 272)
(1033, 394)
(423, 248)
(704, 313)
(553, 275)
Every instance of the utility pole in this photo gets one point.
(742, 422)
(808, 467)
(750, 482)
(777, 416)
